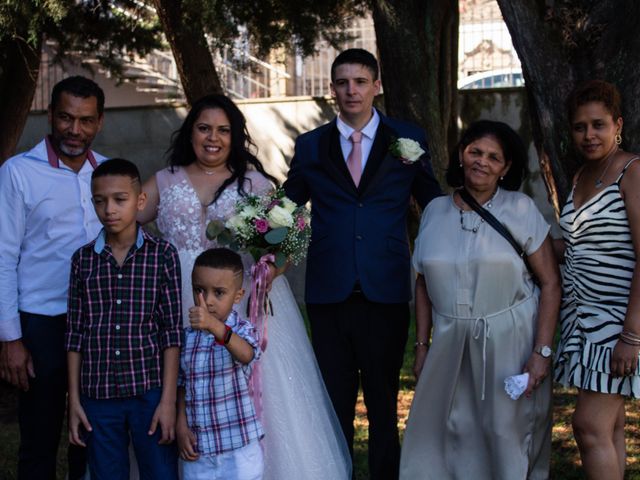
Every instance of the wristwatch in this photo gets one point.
(544, 351)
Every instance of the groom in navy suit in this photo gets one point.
(358, 282)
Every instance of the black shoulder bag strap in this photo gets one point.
(497, 225)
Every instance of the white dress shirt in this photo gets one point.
(368, 136)
(46, 214)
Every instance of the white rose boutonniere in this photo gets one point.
(407, 150)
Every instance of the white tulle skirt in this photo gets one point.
(303, 439)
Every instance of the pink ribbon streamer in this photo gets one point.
(258, 317)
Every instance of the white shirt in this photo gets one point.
(368, 136)
(46, 214)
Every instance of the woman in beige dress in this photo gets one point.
(487, 320)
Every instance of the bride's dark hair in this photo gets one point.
(181, 153)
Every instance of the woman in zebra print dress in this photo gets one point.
(600, 317)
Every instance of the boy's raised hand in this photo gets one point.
(77, 420)
(201, 319)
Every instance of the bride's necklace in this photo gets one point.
(206, 172)
(609, 158)
(488, 205)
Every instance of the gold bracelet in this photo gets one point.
(628, 340)
(630, 335)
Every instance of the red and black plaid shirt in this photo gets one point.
(121, 318)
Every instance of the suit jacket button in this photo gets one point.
(358, 237)
(360, 205)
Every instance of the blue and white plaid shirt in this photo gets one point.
(219, 409)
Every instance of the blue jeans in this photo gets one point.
(113, 421)
(42, 408)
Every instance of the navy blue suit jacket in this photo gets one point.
(359, 234)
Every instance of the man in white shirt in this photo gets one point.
(45, 200)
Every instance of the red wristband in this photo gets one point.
(227, 336)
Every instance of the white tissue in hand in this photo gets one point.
(515, 385)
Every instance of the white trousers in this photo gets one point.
(245, 463)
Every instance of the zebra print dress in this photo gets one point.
(599, 265)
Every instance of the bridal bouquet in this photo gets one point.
(264, 225)
(273, 229)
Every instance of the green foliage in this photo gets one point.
(100, 29)
(276, 236)
(226, 238)
(272, 24)
(214, 228)
(280, 259)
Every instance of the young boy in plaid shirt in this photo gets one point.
(123, 336)
(218, 430)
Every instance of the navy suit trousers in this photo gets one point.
(359, 340)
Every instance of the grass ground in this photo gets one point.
(565, 459)
(565, 462)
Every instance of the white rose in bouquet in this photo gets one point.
(279, 217)
(248, 211)
(236, 223)
(289, 205)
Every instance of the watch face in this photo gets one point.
(546, 351)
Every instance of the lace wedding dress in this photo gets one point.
(303, 439)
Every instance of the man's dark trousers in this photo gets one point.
(42, 408)
(359, 340)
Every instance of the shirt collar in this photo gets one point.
(232, 319)
(369, 130)
(101, 240)
(54, 158)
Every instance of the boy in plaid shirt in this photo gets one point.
(123, 336)
(217, 429)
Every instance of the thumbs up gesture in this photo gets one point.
(201, 319)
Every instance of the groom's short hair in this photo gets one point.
(358, 56)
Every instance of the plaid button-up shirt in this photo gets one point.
(219, 409)
(121, 318)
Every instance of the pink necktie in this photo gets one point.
(354, 160)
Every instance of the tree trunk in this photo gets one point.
(190, 50)
(418, 48)
(560, 46)
(19, 66)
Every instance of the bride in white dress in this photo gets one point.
(210, 169)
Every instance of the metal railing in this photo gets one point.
(484, 44)
(245, 76)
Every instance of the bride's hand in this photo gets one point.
(273, 273)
